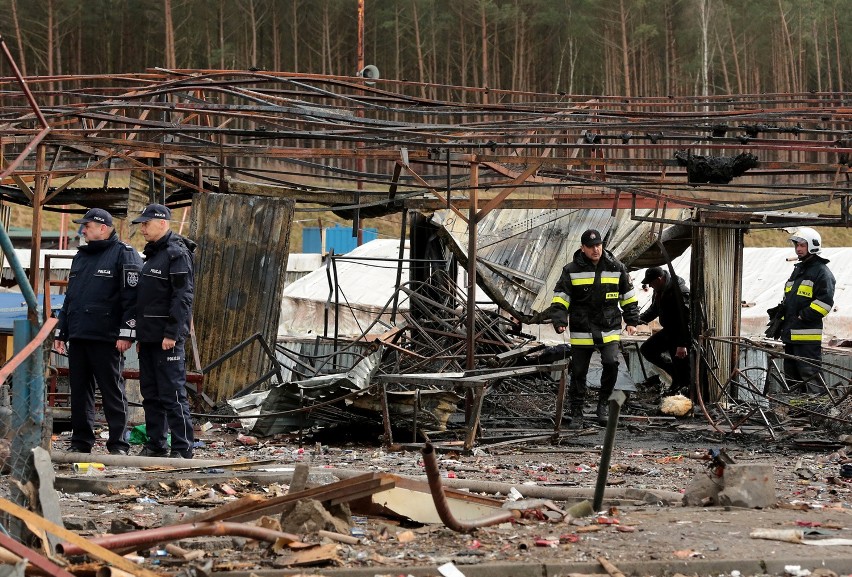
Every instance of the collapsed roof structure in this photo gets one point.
(500, 183)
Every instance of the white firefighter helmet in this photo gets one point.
(810, 236)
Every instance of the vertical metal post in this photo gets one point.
(616, 399)
(471, 264)
(27, 413)
(357, 228)
(403, 225)
(38, 199)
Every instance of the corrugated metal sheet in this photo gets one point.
(716, 278)
(520, 253)
(240, 266)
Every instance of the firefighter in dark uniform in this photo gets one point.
(668, 348)
(98, 321)
(164, 307)
(808, 298)
(596, 292)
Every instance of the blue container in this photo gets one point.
(340, 238)
(311, 240)
(337, 238)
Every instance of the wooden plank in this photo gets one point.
(384, 484)
(93, 550)
(225, 511)
(323, 493)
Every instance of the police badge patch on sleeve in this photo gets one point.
(131, 278)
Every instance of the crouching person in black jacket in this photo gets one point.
(164, 308)
(668, 349)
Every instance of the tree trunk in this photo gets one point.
(295, 28)
(171, 56)
(276, 39)
(790, 58)
(704, 23)
(724, 62)
(817, 57)
(625, 52)
(51, 48)
(398, 72)
(420, 66)
(19, 38)
(221, 34)
(253, 27)
(837, 48)
(736, 57)
(484, 21)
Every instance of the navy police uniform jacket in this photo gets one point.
(595, 299)
(164, 299)
(100, 303)
(808, 298)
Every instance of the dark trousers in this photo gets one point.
(581, 356)
(162, 382)
(90, 362)
(803, 374)
(654, 350)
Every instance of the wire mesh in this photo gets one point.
(24, 397)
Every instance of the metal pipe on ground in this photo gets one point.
(616, 400)
(433, 475)
(147, 537)
(476, 485)
(137, 461)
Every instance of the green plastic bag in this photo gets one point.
(139, 436)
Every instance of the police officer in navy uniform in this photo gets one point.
(98, 321)
(164, 306)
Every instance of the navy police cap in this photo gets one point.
(98, 215)
(153, 212)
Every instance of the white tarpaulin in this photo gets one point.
(365, 288)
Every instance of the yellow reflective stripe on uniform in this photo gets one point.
(626, 302)
(582, 339)
(587, 339)
(628, 297)
(558, 300)
(806, 335)
(821, 307)
(610, 279)
(805, 290)
(611, 336)
(788, 286)
(582, 278)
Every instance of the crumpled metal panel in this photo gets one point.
(298, 394)
(520, 253)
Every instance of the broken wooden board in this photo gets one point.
(412, 499)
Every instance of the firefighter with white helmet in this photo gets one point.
(808, 298)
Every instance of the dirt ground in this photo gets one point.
(811, 496)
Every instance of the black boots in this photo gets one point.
(576, 418)
(602, 412)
